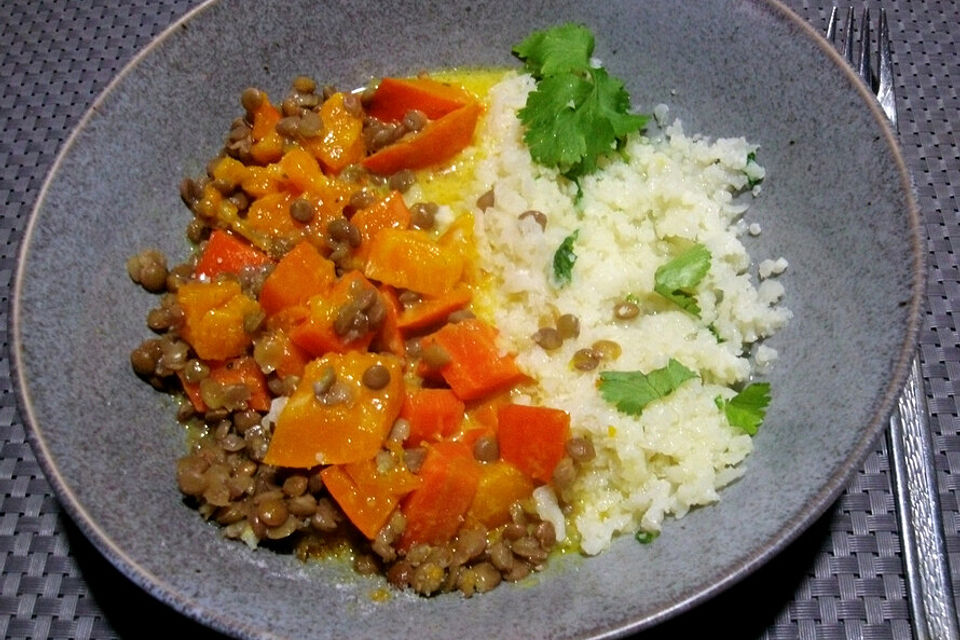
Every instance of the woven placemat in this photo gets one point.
(843, 579)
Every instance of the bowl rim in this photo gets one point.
(786, 534)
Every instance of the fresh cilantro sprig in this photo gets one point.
(747, 409)
(631, 391)
(564, 258)
(578, 113)
(676, 279)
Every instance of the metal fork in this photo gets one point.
(932, 607)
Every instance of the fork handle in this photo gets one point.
(928, 578)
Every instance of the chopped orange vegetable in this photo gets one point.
(439, 141)
(213, 318)
(366, 495)
(435, 511)
(433, 414)
(394, 97)
(388, 212)
(412, 259)
(301, 171)
(501, 484)
(432, 311)
(267, 150)
(533, 438)
(318, 334)
(476, 367)
(278, 352)
(300, 274)
(389, 338)
(341, 143)
(243, 370)
(265, 118)
(226, 253)
(347, 422)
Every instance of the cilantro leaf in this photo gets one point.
(752, 173)
(578, 113)
(646, 537)
(562, 49)
(564, 258)
(747, 409)
(676, 279)
(631, 391)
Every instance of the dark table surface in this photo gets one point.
(842, 579)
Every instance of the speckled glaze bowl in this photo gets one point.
(837, 203)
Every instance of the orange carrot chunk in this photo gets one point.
(476, 367)
(395, 97)
(435, 511)
(366, 495)
(431, 311)
(227, 253)
(439, 141)
(433, 414)
(333, 417)
(533, 438)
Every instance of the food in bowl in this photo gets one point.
(452, 324)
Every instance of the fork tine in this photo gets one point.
(863, 65)
(885, 94)
(848, 37)
(832, 25)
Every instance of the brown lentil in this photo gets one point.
(568, 326)
(486, 449)
(376, 377)
(402, 180)
(548, 338)
(538, 216)
(423, 215)
(607, 349)
(302, 210)
(626, 310)
(485, 201)
(580, 449)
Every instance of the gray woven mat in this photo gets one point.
(843, 579)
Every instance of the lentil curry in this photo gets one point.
(339, 387)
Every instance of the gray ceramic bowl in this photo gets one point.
(837, 203)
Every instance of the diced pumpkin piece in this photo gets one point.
(501, 484)
(346, 422)
(301, 274)
(320, 332)
(533, 438)
(243, 370)
(389, 212)
(366, 495)
(341, 143)
(430, 311)
(213, 318)
(411, 259)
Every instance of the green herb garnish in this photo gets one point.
(747, 409)
(646, 537)
(751, 180)
(578, 113)
(677, 279)
(631, 391)
(564, 258)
